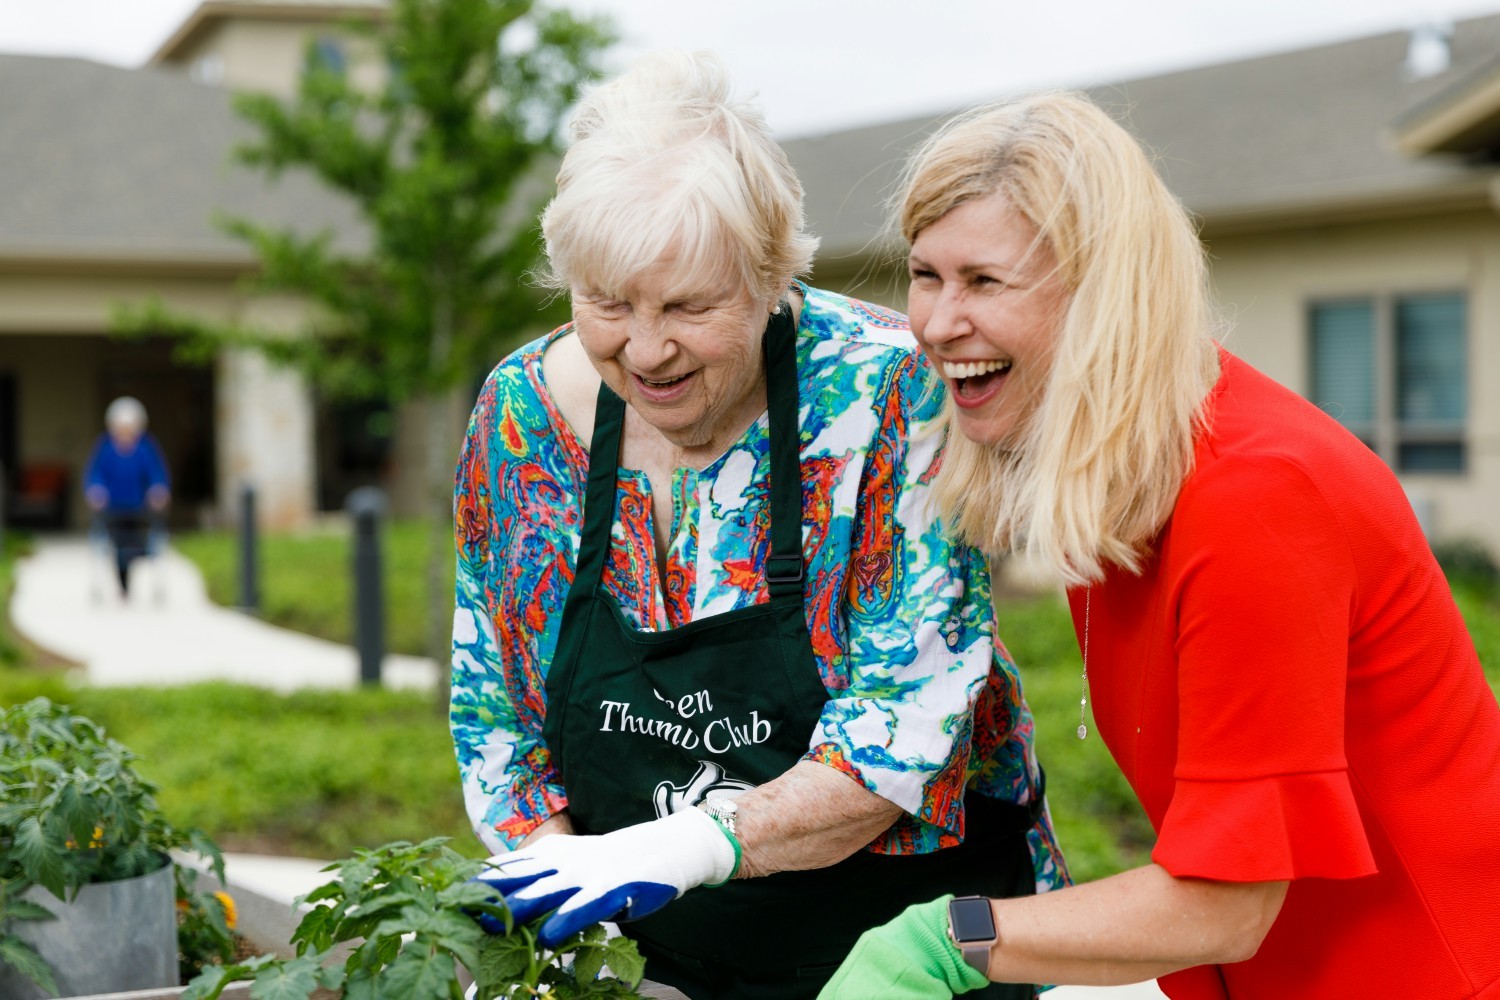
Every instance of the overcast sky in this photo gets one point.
(825, 64)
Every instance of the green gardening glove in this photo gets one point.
(910, 958)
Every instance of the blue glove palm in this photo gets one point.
(616, 876)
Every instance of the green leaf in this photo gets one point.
(25, 909)
(502, 961)
(293, 979)
(588, 961)
(209, 983)
(360, 985)
(418, 976)
(23, 958)
(624, 960)
(39, 857)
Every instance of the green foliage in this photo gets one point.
(11, 545)
(205, 924)
(1468, 562)
(73, 808)
(16, 952)
(441, 163)
(314, 773)
(73, 811)
(1099, 822)
(411, 910)
(306, 580)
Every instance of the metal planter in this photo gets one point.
(113, 936)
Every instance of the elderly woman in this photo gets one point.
(1271, 652)
(126, 483)
(708, 633)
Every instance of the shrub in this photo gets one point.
(1468, 562)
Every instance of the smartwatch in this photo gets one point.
(971, 925)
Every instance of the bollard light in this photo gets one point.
(366, 505)
(249, 553)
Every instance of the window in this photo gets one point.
(1393, 369)
(208, 69)
(326, 55)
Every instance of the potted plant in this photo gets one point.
(88, 892)
(407, 916)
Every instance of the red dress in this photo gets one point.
(1292, 694)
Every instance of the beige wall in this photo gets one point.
(1264, 283)
(268, 55)
(52, 337)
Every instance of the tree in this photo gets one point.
(442, 162)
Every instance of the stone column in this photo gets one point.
(266, 439)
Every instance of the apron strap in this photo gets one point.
(784, 566)
(599, 499)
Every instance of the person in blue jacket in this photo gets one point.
(126, 482)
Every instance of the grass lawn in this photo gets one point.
(306, 579)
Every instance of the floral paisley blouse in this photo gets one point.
(923, 699)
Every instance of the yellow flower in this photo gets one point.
(231, 915)
(96, 841)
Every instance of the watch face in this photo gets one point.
(971, 920)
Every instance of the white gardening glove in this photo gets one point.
(613, 876)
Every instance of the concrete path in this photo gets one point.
(168, 632)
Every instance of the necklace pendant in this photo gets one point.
(1083, 731)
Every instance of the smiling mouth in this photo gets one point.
(974, 379)
(662, 383)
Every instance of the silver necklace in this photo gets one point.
(1083, 701)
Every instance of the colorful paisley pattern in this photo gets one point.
(900, 617)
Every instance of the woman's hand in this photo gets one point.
(910, 958)
(614, 876)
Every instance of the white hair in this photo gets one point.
(126, 411)
(666, 161)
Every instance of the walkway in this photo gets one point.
(168, 632)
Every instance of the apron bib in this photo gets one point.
(642, 724)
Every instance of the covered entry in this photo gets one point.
(53, 391)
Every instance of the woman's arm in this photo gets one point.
(509, 783)
(1130, 927)
(559, 822)
(811, 817)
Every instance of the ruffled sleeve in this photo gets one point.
(1261, 787)
(1265, 829)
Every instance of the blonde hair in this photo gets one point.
(666, 161)
(1098, 469)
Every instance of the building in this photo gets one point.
(1348, 194)
(119, 179)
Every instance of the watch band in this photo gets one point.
(975, 951)
(723, 812)
(722, 809)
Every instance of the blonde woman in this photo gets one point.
(1271, 653)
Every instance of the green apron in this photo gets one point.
(643, 723)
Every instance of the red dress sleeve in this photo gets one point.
(1265, 581)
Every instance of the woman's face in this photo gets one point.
(685, 355)
(986, 303)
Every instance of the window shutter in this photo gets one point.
(1343, 362)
